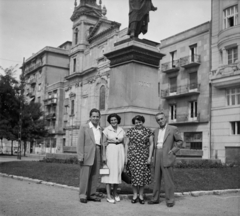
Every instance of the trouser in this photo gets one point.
(89, 177)
(167, 174)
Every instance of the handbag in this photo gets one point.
(126, 178)
(104, 170)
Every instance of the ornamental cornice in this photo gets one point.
(134, 53)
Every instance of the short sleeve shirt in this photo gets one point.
(114, 135)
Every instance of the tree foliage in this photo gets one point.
(10, 99)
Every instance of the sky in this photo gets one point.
(27, 26)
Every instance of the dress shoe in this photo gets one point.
(94, 199)
(82, 200)
(134, 200)
(170, 204)
(141, 201)
(153, 202)
(112, 201)
(117, 198)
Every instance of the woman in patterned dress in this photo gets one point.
(138, 150)
(114, 150)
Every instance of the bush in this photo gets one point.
(199, 164)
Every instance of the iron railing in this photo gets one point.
(190, 59)
(170, 65)
(180, 90)
(185, 118)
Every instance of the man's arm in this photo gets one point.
(81, 144)
(178, 141)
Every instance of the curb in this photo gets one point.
(123, 196)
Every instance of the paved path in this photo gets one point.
(24, 198)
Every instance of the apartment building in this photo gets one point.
(44, 74)
(225, 80)
(184, 87)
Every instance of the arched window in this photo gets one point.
(76, 36)
(102, 98)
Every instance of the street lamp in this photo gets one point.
(20, 112)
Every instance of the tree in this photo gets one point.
(8, 104)
(11, 99)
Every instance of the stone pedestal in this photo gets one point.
(134, 81)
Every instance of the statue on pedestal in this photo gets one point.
(139, 16)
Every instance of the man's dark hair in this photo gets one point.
(114, 115)
(139, 118)
(94, 110)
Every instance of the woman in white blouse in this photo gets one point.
(114, 149)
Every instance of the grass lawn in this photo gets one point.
(185, 179)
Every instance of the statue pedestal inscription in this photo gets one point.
(133, 89)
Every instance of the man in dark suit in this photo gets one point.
(89, 156)
(167, 142)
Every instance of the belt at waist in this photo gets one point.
(97, 145)
(115, 143)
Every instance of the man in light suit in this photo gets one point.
(167, 142)
(89, 156)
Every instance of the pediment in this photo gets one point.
(101, 27)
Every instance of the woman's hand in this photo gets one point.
(104, 160)
(149, 160)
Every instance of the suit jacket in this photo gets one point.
(86, 145)
(172, 141)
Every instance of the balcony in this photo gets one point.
(31, 94)
(33, 67)
(185, 119)
(226, 76)
(51, 131)
(170, 67)
(33, 81)
(50, 101)
(50, 116)
(181, 91)
(190, 61)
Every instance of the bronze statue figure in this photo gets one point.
(139, 16)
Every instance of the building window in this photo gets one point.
(55, 94)
(74, 65)
(193, 110)
(64, 141)
(193, 53)
(76, 36)
(173, 112)
(193, 80)
(173, 84)
(233, 96)
(193, 140)
(102, 98)
(39, 87)
(72, 107)
(235, 128)
(49, 95)
(230, 17)
(159, 90)
(232, 55)
(173, 56)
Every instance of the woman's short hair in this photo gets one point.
(139, 118)
(114, 115)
